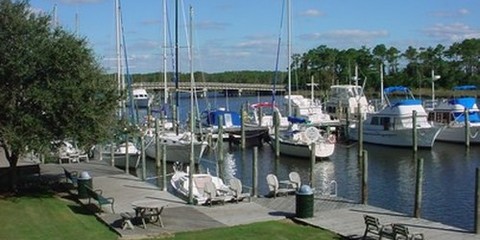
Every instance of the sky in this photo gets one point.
(236, 35)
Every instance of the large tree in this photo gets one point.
(52, 87)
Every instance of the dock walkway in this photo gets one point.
(338, 215)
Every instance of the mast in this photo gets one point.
(165, 90)
(119, 55)
(192, 154)
(176, 69)
(289, 53)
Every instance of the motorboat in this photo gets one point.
(141, 98)
(261, 114)
(180, 183)
(454, 113)
(393, 124)
(178, 147)
(119, 152)
(232, 127)
(311, 110)
(297, 140)
(347, 99)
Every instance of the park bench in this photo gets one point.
(97, 195)
(401, 232)
(373, 226)
(71, 176)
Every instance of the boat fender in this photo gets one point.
(331, 139)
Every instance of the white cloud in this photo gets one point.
(344, 34)
(211, 25)
(452, 32)
(452, 13)
(312, 13)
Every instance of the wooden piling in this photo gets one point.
(364, 170)
(477, 201)
(312, 164)
(418, 188)
(255, 172)
(220, 147)
(127, 156)
(360, 133)
(414, 131)
(467, 128)
(112, 153)
(276, 123)
(144, 162)
(244, 116)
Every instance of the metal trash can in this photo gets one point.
(84, 180)
(304, 202)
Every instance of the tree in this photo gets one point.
(52, 88)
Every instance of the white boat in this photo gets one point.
(261, 114)
(451, 114)
(310, 110)
(180, 183)
(141, 98)
(120, 152)
(345, 99)
(297, 140)
(393, 125)
(177, 146)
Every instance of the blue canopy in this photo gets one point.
(210, 118)
(465, 87)
(296, 119)
(396, 89)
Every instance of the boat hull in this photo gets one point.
(176, 151)
(301, 150)
(456, 134)
(400, 138)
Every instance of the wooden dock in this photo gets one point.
(338, 215)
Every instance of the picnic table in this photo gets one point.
(149, 210)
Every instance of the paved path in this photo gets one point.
(335, 214)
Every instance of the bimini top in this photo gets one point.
(465, 87)
(396, 89)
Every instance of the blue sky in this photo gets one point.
(232, 35)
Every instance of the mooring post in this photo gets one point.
(418, 188)
(255, 172)
(312, 164)
(127, 156)
(414, 131)
(164, 167)
(112, 153)
(158, 153)
(244, 116)
(360, 133)
(364, 169)
(220, 147)
(276, 123)
(467, 128)
(347, 123)
(477, 201)
(144, 162)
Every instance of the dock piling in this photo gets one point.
(255, 171)
(418, 188)
(364, 169)
(477, 201)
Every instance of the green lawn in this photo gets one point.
(47, 216)
(265, 230)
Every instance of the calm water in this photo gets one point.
(449, 173)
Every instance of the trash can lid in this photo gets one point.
(305, 190)
(84, 175)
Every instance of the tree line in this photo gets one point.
(457, 64)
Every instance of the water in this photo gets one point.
(449, 173)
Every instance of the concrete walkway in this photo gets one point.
(338, 215)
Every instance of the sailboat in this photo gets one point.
(177, 142)
(301, 138)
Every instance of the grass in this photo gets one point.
(45, 215)
(264, 230)
(48, 217)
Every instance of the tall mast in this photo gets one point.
(176, 68)
(289, 53)
(192, 154)
(165, 90)
(119, 55)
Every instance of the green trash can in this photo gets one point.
(83, 182)
(304, 202)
